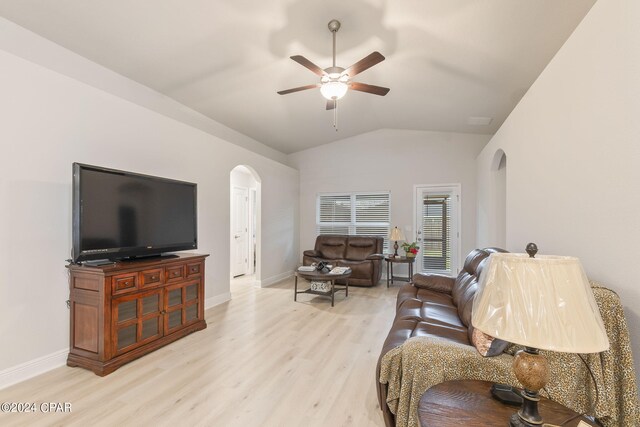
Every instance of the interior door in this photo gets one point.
(438, 229)
(240, 230)
(252, 230)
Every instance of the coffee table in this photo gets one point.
(469, 403)
(316, 275)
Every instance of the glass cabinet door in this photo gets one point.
(137, 319)
(182, 305)
(143, 317)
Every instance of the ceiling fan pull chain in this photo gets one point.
(335, 115)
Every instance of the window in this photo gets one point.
(356, 214)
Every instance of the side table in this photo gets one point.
(469, 403)
(399, 260)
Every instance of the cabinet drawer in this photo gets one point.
(149, 278)
(123, 283)
(194, 269)
(174, 273)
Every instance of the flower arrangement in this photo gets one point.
(411, 248)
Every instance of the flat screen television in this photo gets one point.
(118, 214)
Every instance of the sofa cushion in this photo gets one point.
(434, 282)
(427, 295)
(359, 248)
(468, 273)
(403, 329)
(466, 284)
(408, 291)
(457, 334)
(435, 312)
(465, 303)
(359, 269)
(331, 247)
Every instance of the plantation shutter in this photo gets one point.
(356, 214)
(372, 216)
(334, 214)
(436, 232)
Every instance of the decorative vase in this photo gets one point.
(410, 255)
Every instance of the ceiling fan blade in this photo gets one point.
(365, 63)
(363, 87)
(331, 104)
(298, 89)
(308, 64)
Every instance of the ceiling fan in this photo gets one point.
(335, 81)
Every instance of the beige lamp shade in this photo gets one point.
(544, 302)
(396, 234)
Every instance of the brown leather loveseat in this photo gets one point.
(434, 305)
(363, 254)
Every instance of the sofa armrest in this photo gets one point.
(434, 282)
(312, 253)
(375, 257)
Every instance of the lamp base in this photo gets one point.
(532, 370)
(516, 421)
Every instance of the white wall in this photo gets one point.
(395, 161)
(50, 120)
(39, 50)
(573, 155)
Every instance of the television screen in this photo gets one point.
(119, 214)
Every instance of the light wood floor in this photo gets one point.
(262, 361)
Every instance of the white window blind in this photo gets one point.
(436, 232)
(355, 214)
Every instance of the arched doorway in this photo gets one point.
(244, 243)
(499, 173)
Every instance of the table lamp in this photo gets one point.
(543, 303)
(396, 234)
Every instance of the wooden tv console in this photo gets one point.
(122, 311)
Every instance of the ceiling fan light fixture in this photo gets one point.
(336, 81)
(333, 90)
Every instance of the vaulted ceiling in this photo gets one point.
(446, 60)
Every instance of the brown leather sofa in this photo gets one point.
(363, 254)
(434, 305)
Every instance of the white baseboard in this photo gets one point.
(274, 279)
(26, 370)
(32, 368)
(217, 300)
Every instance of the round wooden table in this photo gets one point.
(469, 403)
(316, 275)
